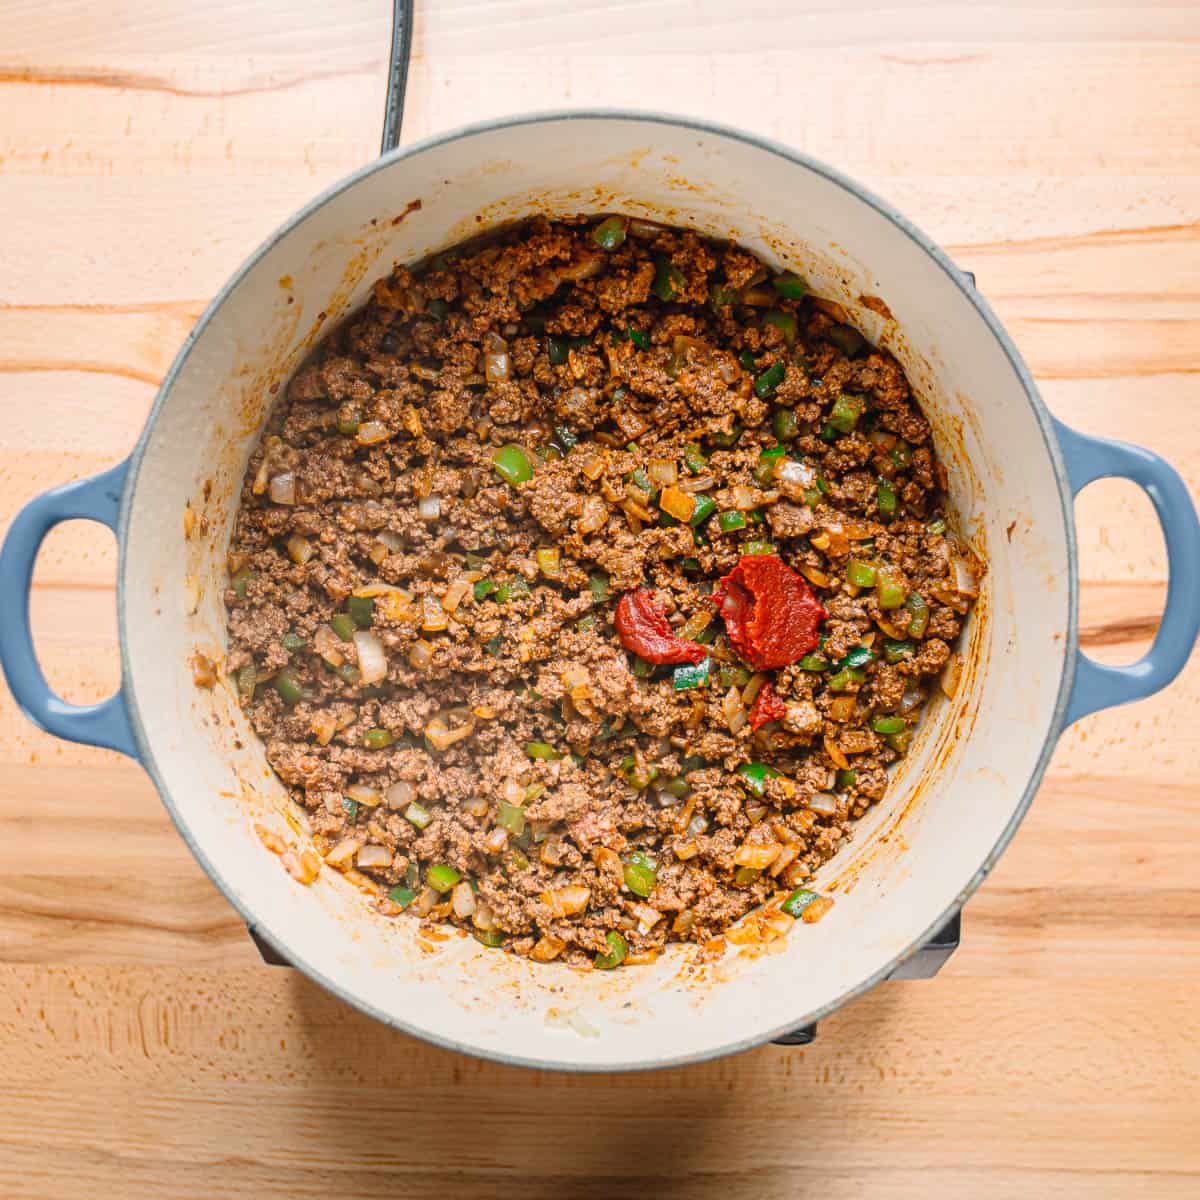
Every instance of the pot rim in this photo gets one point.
(970, 295)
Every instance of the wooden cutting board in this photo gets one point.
(144, 150)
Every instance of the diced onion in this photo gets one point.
(647, 917)
(483, 917)
(372, 661)
(835, 753)
(594, 515)
(547, 948)
(912, 698)
(400, 795)
(299, 549)
(815, 577)
(824, 803)
(462, 899)
(743, 498)
(441, 736)
(496, 367)
(733, 710)
(496, 841)
(327, 645)
(344, 851)
(374, 858)
(952, 676)
(430, 508)
(759, 857)
(566, 901)
(644, 229)
(585, 268)
(283, 488)
(370, 432)
(420, 655)
(455, 593)
(663, 471)
(362, 794)
(697, 825)
(800, 473)
(324, 726)
(433, 615)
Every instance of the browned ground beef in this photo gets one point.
(612, 368)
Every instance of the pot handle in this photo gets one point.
(104, 724)
(1090, 458)
(393, 112)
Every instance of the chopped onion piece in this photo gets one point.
(462, 899)
(372, 661)
(370, 432)
(433, 615)
(283, 488)
(455, 593)
(400, 795)
(800, 473)
(362, 794)
(824, 803)
(327, 645)
(593, 516)
(835, 753)
(420, 655)
(430, 508)
(374, 858)
(441, 736)
(733, 710)
(566, 901)
(663, 471)
(324, 726)
(344, 851)
(496, 367)
(483, 917)
(299, 549)
(496, 841)
(759, 857)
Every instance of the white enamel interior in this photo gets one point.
(958, 795)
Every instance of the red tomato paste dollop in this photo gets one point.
(770, 612)
(767, 706)
(643, 628)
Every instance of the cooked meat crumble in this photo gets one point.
(585, 585)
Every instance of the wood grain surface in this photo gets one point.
(146, 146)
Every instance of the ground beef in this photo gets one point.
(454, 493)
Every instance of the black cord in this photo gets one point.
(393, 113)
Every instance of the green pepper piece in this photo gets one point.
(638, 338)
(728, 522)
(847, 339)
(937, 525)
(542, 750)
(786, 427)
(348, 673)
(756, 775)
(512, 465)
(361, 610)
(894, 651)
(378, 739)
(565, 437)
(403, 896)
(557, 350)
(859, 656)
(618, 948)
(847, 777)
(442, 877)
(846, 680)
(720, 296)
(902, 455)
(860, 574)
(512, 818)
(484, 588)
(598, 586)
(694, 459)
(641, 874)
(610, 233)
(736, 677)
(798, 901)
(785, 322)
(886, 495)
(813, 662)
(676, 786)
(828, 433)
(349, 417)
(758, 546)
(418, 815)
(745, 876)
(899, 741)
(889, 724)
(688, 675)
(288, 687)
(437, 309)
(351, 807)
(846, 412)
(918, 620)
(240, 581)
(768, 461)
(247, 681)
(493, 644)
(343, 625)
(705, 507)
(638, 780)
(790, 285)
(292, 642)
(746, 361)
(668, 280)
(769, 380)
(889, 589)
(489, 937)
(727, 441)
(511, 589)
